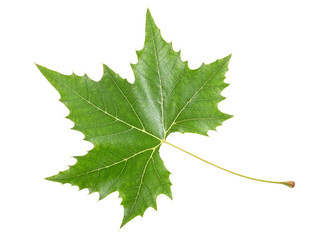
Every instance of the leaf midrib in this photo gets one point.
(141, 181)
(160, 81)
(113, 164)
(107, 113)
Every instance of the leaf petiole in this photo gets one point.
(290, 184)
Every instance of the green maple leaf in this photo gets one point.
(127, 123)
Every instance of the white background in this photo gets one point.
(280, 94)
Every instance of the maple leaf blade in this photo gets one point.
(127, 123)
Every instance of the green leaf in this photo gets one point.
(127, 123)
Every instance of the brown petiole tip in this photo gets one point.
(290, 184)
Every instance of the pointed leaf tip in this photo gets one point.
(148, 13)
(124, 222)
(149, 19)
(51, 178)
(39, 66)
(228, 58)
